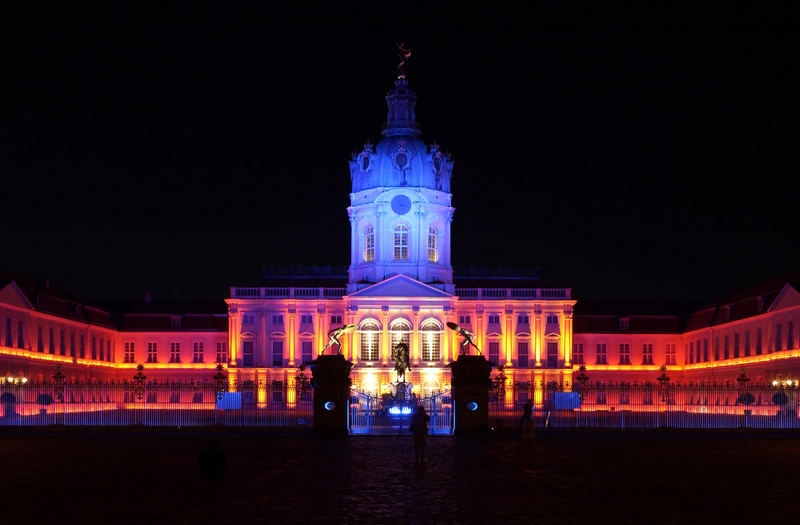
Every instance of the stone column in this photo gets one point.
(291, 332)
(470, 388)
(384, 345)
(331, 379)
(509, 335)
(449, 349)
(352, 344)
(566, 337)
(538, 335)
(415, 341)
(234, 325)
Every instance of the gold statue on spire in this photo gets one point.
(403, 54)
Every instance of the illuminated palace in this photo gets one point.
(400, 286)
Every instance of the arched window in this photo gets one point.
(400, 331)
(401, 242)
(431, 334)
(369, 244)
(433, 251)
(370, 335)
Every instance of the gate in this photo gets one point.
(374, 416)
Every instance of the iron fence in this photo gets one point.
(644, 407)
(375, 415)
(250, 404)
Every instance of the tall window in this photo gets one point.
(430, 340)
(369, 244)
(222, 352)
(577, 353)
(670, 354)
(494, 351)
(72, 344)
(370, 333)
(735, 345)
(705, 349)
(747, 343)
(759, 347)
(624, 354)
(108, 350)
(39, 339)
(727, 348)
(82, 347)
(433, 251)
(62, 343)
(522, 354)
(400, 332)
(102, 353)
(401, 243)
(647, 354)
(94, 348)
(9, 338)
(602, 357)
(778, 338)
(152, 352)
(128, 356)
(174, 352)
(552, 355)
(307, 351)
(790, 336)
(716, 349)
(20, 335)
(197, 352)
(247, 353)
(277, 353)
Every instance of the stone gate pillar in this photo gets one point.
(470, 380)
(331, 380)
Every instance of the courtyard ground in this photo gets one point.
(69, 477)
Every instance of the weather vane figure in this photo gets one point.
(401, 361)
(334, 335)
(468, 338)
(403, 54)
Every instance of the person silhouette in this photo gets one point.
(419, 427)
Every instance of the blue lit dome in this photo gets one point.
(401, 158)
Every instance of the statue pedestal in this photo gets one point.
(331, 379)
(470, 380)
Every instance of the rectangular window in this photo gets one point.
(670, 354)
(690, 352)
(174, 352)
(222, 352)
(705, 350)
(790, 336)
(9, 335)
(20, 335)
(277, 391)
(494, 352)
(735, 345)
(624, 354)
(522, 355)
(51, 344)
(602, 358)
(82, 347)
(129, 352)
(778, 338)
(197, 352)
(716, 349)
(463, 319)
(747, 343)
(307, 351)
(62, 343)
(176, 321)
(277, 353)
(552, 319)
(552, 355)
(647, 354)
(306, 319)
(152, 352)
(336, 319)
(277, 319)
(247, 353)
(577, 353)
(72, 344)
(727, 348)
(523, 319)
(39, 339)
(494, 319)
(94, 348)
(759, 340)
(102, 353)
(108, 350)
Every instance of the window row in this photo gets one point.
(741, 344)
(579, 356)
(522, 319)
(277, 319)
(400, 243)
(197, 352)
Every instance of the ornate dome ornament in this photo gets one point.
(401, 160)
(364, 158)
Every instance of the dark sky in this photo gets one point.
(631, 152)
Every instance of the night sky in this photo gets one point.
(631, 153)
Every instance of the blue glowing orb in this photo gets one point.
(396, 411)
(472, 406)
(329, 405)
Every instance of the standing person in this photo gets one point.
(525, 422)
(419, 426)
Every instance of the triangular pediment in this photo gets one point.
(12, 295)
(401, 286)
(788, 297)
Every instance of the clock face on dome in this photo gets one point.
(401, 205)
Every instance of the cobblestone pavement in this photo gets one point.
(592, 478)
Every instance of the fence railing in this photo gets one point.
(373, 415)
(158, 405)
(648, 407)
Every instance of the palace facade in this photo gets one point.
(400, 286)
